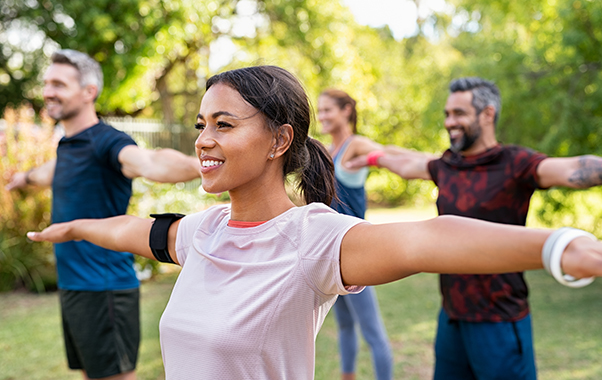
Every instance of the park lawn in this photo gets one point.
(567, 328)
(31, 342)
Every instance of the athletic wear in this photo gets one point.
(249, 302)
(474, 336)
(495, 186)
(101, 330)
(349, 186)
(88, 183)
(362, 309)
(460, 354)
(358, 309)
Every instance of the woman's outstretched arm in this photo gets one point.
(376, 254)
(123, 233)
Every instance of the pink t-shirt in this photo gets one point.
(249, 302)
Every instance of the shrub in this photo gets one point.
(24, 145)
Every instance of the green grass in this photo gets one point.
(567, 327)
(31, 342)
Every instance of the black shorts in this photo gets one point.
(101, 330)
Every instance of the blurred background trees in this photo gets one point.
(545, 55)
(25, 145)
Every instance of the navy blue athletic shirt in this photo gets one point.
(88, 183)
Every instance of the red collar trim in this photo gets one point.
(239, 224)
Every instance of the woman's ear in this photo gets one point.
(348, 109)
(282, 141)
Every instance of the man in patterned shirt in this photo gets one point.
(484, 328)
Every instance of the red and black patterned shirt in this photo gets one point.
(496, 186)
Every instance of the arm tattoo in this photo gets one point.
(589, 172)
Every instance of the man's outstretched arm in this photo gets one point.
(162, 165)
(580, 172)
(40, 176)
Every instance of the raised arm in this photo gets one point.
(579, 172)
(407, 164)
(40, 176)
(163, 165)
(123, 233)
(376, 254)
(359, 146)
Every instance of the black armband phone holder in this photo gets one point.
(158, 235)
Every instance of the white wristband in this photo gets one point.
(552, 251)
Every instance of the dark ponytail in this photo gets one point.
(316, 182)
(279, 96)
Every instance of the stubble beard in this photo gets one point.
(470, 135)
(63, 114)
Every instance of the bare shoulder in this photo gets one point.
(362, 140)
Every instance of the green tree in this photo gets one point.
(392, 81)
(546, 57)
(154, 53)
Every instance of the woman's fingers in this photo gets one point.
(56, 233)
(583, 258)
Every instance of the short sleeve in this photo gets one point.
(119, 143)
(321, 234)
(190, 224)
(433, 169)
(108, 144)
(185, 234)
(525, 162)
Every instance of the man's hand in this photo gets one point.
(17, 181)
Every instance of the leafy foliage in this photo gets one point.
(24, 145)
(153, 52)
(545, 55)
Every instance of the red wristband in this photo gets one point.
(374, 156)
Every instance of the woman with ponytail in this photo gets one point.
(338, 115)
(259, 275)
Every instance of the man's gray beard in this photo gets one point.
(64, 116)
(457, 147)
(467, 140)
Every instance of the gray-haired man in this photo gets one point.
(91, 178)
(484, 329)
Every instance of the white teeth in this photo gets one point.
(210, 163)
(454, 133)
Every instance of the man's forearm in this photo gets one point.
(172, 166)
(588, 172)
(40, 176)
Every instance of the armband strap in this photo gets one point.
(158, 235)
(372, 157)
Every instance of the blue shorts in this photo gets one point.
(484, 350)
